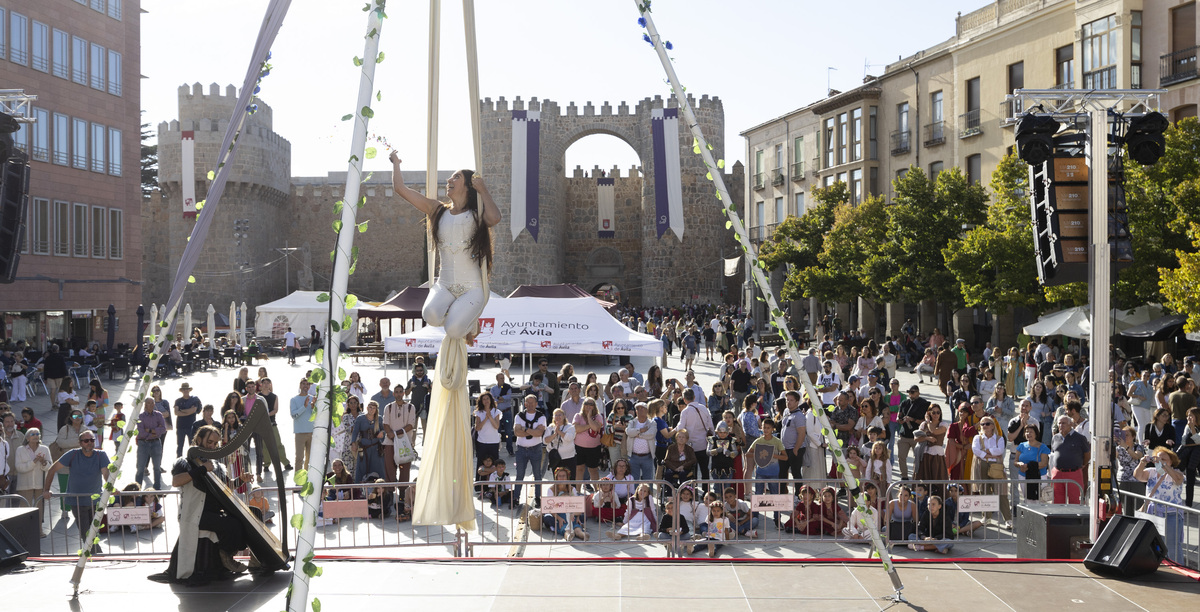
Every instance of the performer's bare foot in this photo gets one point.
(471, 338)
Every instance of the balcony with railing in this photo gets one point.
(971, 124)
(798, 171)
(901, 142)
(1010, 111)
(1178, 66)
(777, 177)
(935, 133)
(760, 180)
(816, 166)
(761, 233)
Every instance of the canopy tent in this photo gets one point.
(404, 305)
(560, 291)
(1161, 328)
(578, 326)
(298, 311)
(1077, 322)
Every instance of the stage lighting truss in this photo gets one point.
(16, 103)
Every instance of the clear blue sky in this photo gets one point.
(763, 58)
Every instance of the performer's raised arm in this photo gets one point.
(419, 201)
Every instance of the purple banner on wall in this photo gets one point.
(605, 207)
(525, 171)
(661, 211)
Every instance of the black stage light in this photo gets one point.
(1035, 138)
(1145, 138)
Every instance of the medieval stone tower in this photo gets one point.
(646, 269)
(245, 232)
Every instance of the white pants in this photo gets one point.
(458, 315)
(18, 394)
(1144, 415)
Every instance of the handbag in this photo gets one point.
(608, 439)
(56, 452)
(403, 452)
(995, 470)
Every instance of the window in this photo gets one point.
(99, 225)
(61, 64)
(62, 139)
(973, 94)
(41, 47)
(116, 240)
(18, 39)
(935, 169)
(971, 122)
(760, 211)
(873, 128)
(780, 213)
(827, 182)
(830, 142)
(856, 134)
(937, 108)
(114, 73)
(41, 226)
(99, 57)
(843, 126)
(1100, 53)
(901, 138)
(856, 186)
(79, 60)
(98, 5)
(974, 168)
(21, 139)
(758, 169)
(1064, 59)
(79, 217)
(800, 204)
(3, 37)
(798, 157)
(1016, 80)
(62, 228)
(41, 134)
(98, 161)
(873, 181)
(902, 116)
(79, 127)
(1135, 50)
(114, 9)
(779, 157)
(114, 151)
(901, 173)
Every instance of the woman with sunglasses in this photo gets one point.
(988, 448)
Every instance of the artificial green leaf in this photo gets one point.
(728, 224)
(300, 477)
(337, 327)
(191, 279)
(358, 61)
(306, 489)
(379, 96)
(370, 153)
(351, 301)
(211, 175)
(720, 163)
(316, 605)
(379, 59)
(347, 322)
(347, 117)
(337, 226)
(367, 112)
(323, 297)
(297, 521)
(320, 355)
(362, 227)
(337, 207)
(341, 374)
(708, 176)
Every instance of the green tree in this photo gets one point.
(993, 263)
(1179, 285)
(853, 245)
(149, 162)
(926, 216)
(798, 241)
(1163, 203)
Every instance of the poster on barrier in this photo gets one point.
(1160, 523)
(979, 503)
(349, 508)
(771, 503)
(567, 504)
(139, 515)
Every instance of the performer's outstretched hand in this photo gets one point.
(394, 158)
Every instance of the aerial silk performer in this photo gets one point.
(462, 239)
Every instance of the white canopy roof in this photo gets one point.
(578, 326)
(1077, 322)
(298, 311)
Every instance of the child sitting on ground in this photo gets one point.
(484, 473)
(258, 500)
(499, 493)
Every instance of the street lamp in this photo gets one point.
(287, 273)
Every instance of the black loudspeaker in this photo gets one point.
(1128, 547)
(11, 552)
(14, 204)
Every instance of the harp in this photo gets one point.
(267, 548)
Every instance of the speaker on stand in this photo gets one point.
(1128, 547)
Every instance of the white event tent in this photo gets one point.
(577, 326)
(298, 311)
(1077, 322)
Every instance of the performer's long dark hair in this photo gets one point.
(481, 242)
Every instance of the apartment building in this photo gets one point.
(945, 107)
(82, 247)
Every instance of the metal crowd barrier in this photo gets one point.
(367, 515)
(1178, 525)
(64, 538)
(510, 524)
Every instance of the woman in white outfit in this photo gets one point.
(462, 235)
(18, 373)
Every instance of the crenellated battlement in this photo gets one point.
(623, 109)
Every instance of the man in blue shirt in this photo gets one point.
(89, 468)
(151, 427)
(301, 407)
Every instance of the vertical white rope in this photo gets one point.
(431, 126)
(764, 285)
(305, 542)
(473, 83)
